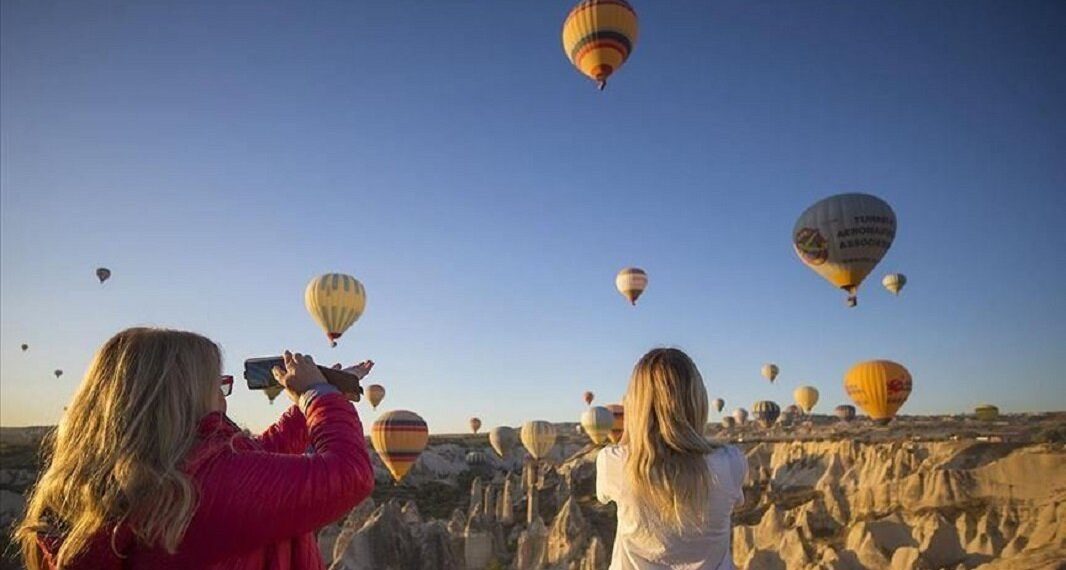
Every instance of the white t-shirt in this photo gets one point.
(637, 546)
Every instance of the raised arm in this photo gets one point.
(288, 434)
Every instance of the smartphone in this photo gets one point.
(258, 372)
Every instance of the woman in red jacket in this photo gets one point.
(146, 470)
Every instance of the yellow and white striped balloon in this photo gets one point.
(335, 301)
(631, 283)
(538, 437)
(597, 422)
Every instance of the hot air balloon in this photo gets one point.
(58, 373)
(728, 422)
(475, 424)
(766, 412)
(619, 425)
(843, 237)
(399, 436)
(25, 347)
(741, 415)
(476, 458)
(539, 438)
(845, 412)
(502, 439)
(598, 36)
(588, 398)
(770, 371)
(273, 391)
(631, 283)
(986, 412)
(375, 393)
(597, 422)
(335, 301)
(879, 387)
(791, 412)
(806, 397)
(718, 404)
(103, 274)
(894, 282)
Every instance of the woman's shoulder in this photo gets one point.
(610, 455)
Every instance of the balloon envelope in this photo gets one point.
(879, 387)
(894, 282)
(103, 274)
(766, 412)
(843, 237)
(502, 439)
(25, 347)
(589, 396)
(335, 301)
(597, 422)
(845, 412)
(538, 437)
(598, 36)
(476, 458)
(375, 393)
(475, 424)
(728, 422)
(631, 283)
(986, 412)
(741, 416)
(58, 373)
(273, 391)
(806, 397)
(770, 371)
(619, 425)
(718, 404)
(399, 436)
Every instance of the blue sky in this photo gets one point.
(217, 157)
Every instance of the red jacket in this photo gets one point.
(261, 499)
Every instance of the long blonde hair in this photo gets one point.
(665, 414)
(118, 451)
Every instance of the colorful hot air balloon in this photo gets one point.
(103, 274)
(375, 393)
(272, 391)
(476, 458)
(502, 439)
(843, 237)
(589, 396)
(894, 282)
(718, 404)
(986, 412)
(879, 387)
(770, 371)
(25, 347)
(597, 422)
(475, 424)
(58, 373)
(791, 412)
(399, 437)
(766, 412)
(598, 36)
(806, 397)
(728, 422)
(631, 283)
(845, 412)
(335, 301)
(741, 415)
(619, 425)
(539, 438)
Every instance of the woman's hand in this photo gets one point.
(360, 371)
(299, 374)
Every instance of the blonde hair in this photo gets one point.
(665, 414)
(118, 451)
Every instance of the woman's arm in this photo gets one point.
(288, 434)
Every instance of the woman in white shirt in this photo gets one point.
(675, 490)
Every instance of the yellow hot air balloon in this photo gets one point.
(806, 397)
(843, 237)
(273, 391)
(880, 387)
(475, 424)
(986, 412)
(598, 36)
(335, 301)
(539, 438)
(770, 371)
(399, 436)
(502, 439)
(375, 393)
(597, 422)
(894, 282)
(631, 283)
(619, 426)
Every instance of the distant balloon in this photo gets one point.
(843, 237)
(631, 283)
(791, 412)
(58, 373)
(766, 412)
(476, 458)
(25, 347)
(806, 397)
(718, 404)
(375, 393)
(538, 437)
(399, 437)
(619, 426)
(335, 301)
(597, 422)
(589, 396)
(880, 387)
(728, 422)
(741, 416)
(273, 391)
(770, 371)
(475, 424)
(894, 282)
(103, 274)
(845, 412)
(502, 439)
(986, 412)
(598, 36)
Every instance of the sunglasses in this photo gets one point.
(226, 383)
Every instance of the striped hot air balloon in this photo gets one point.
(539, 438)
(986, 412)
(399, 436)
(375, 393)
(806, 397)
(766, 412)
(770, 371)
(741, 416)
(631, 283)
(728, 422)
(502, 439)
(598, 36)
(894, 282)
(619, 426)
(476, 458)
(790, 413)
(879, 387)
(335, 301)
(597, 422)
(845, 412)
